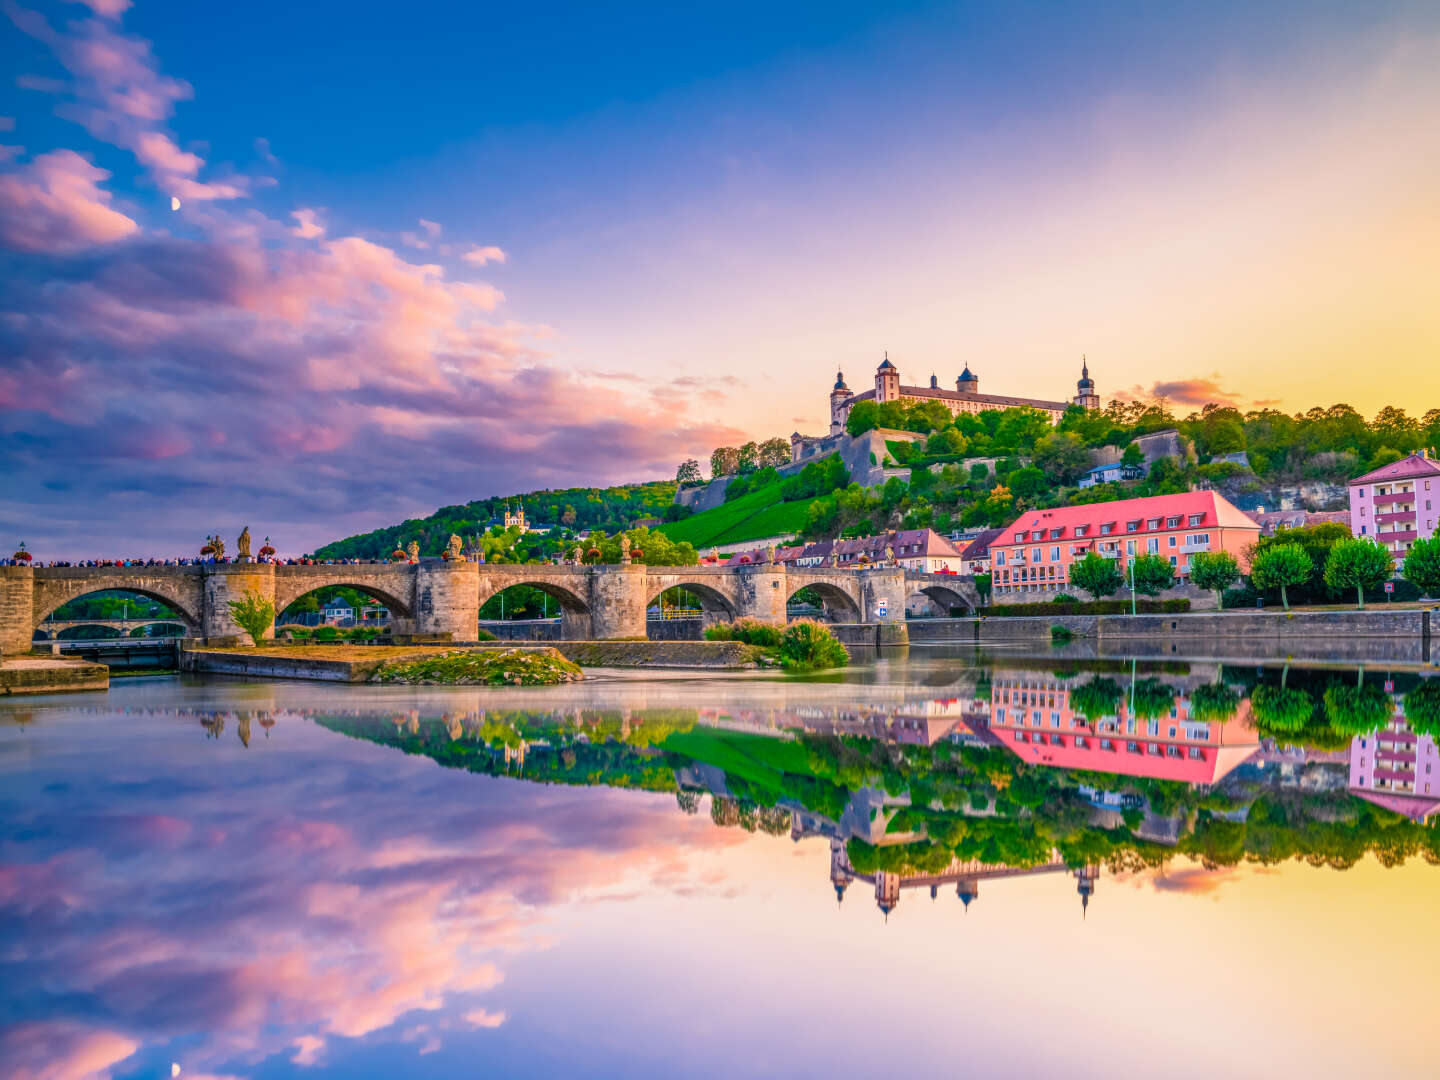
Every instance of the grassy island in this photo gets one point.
(481, 667)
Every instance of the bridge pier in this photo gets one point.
(227, 582)
(17, 606)
(446, 600)
(761, 593)
(617, 603)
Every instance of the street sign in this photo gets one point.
(1389, 586)
(882, 607)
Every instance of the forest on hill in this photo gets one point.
(578, 510)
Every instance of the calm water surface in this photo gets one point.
(995, 866)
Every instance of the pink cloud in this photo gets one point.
(62, 1051)
(431, 228)
(56, 206)
(482, 255)
(308, 228)
(484, 1018)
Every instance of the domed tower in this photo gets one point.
(934, 382)
(968, 383)
(839, 404)
(840, 873)
(967, 889)
(1086, 397)
(1085, 879)
(887, 381)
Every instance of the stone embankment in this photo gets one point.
(51, 675)
(356, 664)
(1379, 634)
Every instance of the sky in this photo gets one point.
(324, 267)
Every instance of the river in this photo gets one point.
(983, 864)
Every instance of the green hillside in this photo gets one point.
(759, 514)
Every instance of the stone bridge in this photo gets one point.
(54, 627)
(443, 599)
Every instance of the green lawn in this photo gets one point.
(750, 517)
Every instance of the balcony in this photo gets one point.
(1403, 536)
(1108, 554)
(1186, 549)
(1401, 498)
(1407, 516)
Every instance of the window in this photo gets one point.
(1172, 541)
(1173, 562)
(1129, 547)
(1132, 526)
(1054, 719)
(1055, 534)
(1107, 528)
(1172, 522)
(1082, 530)
(1000, 558)
(1197, 519)
(1153, 545)
(1054, 554)
(1000, 715)
(1035, 554)
(1152, 523)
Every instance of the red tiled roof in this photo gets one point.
(1414, 465)
(1414, 807)
(979, 548)
(1217, 511)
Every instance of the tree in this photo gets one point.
(982, 586)
(1279, 709)
(1279, 567)
(1096, 575)
(254, 614)
(947, 441)
(864, 416)
(747, 458)
(1151, 574)
(687, 473)
(1028, 482)
(1133, 456)
(1213, 703)
(1061, 456)
(1422, 566)
(1096, 698)
(724, 461)
(1359, 564)
(1356, 710)
(1214, 570)
(774, 452)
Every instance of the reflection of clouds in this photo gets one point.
(329, 889)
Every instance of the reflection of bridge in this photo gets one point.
(435, 597)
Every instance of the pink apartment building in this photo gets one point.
(1034, 553)
(1396, 504)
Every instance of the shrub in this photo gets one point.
(749, 631)
(1096, 575)
(1060, 634)
(807, 644)
(327, 633)
(254, 614)
(1216, 571)
(296, 633)
(485, 635)
(1422, 566)
(1064, 598)
(1152, 574)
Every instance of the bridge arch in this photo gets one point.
(570, 601)
(715, 605)
(289, 593)
(946, 598)
(59, 593)
(838, 605)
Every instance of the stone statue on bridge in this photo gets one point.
(412, 550)
(453, 550)
(770, 554)
(214, 547)
(624, 549)
(242, 545)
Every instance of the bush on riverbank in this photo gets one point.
(804, 645)
(482, 667)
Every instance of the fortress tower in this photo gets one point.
(887, 381)
(1086, 397)
(838, 399)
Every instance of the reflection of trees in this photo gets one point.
(688, 801)
(1422, 708)
(1213, 703)
(1096, 697)
(1356, 710)
(1152, 698)
(1277, 709)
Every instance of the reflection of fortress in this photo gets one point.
(964, 875)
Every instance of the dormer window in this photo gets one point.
(1172, 522)
(1055, 534)
(1152, 523)
(1132, 526)
(1197, 519)
(1107, 528)
(1081, 530)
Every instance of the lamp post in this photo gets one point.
(1131, 562)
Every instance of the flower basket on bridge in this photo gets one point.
(267, 551)
(593, 553)
(22, 555)
(398, 555)
(208, 549)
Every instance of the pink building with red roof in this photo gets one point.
(1034, 553)
(1031, 715)
(1396, 504)
(1397, 769)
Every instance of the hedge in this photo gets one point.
(1097, 607)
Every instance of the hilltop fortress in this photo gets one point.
(966, 396)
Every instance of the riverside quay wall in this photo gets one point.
(436, 599)
(1373, 633)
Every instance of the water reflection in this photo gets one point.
(260, 879)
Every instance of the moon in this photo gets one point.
(174, 203)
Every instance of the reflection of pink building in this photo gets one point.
(1030, 714)
(1396, 769)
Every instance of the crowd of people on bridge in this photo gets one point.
(197, 561)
